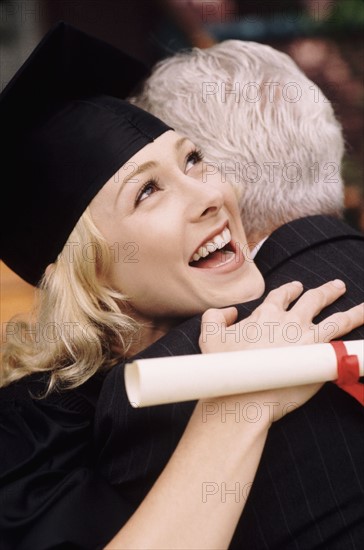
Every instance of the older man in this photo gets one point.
(262, 122)
(274, 135)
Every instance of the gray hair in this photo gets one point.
(258, 118)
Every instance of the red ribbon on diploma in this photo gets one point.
(348, 372)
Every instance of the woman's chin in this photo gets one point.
(242, 295)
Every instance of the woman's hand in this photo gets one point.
(272, 325)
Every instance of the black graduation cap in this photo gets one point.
(65, 130)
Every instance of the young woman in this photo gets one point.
(130, 236)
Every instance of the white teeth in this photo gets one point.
(211, 247)
(226, 235)
(218, 242)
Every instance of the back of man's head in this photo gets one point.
(259, 119)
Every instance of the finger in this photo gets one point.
(226, 316)
(213, 322)
(316, 299)
(341, 323)
(284, 295)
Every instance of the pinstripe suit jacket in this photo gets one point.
(309, 489)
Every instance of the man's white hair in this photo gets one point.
(261, 121)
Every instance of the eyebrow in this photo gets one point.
(148, 165)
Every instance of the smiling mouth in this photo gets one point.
(215, 252)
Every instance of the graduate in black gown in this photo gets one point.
(106, 210)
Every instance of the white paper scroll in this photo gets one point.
(189, 377)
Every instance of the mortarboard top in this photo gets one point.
(65, 131)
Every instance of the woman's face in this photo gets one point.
(156, 213)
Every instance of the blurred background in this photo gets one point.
(324, 37)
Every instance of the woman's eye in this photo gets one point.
(194, 157)
(148, 189)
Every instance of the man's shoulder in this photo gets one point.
(319, 227)
(305, 234)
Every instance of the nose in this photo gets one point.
(203, 200)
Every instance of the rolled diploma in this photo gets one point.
(189, 377)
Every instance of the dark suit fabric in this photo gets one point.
(309, 489)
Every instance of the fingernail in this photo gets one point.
(297, 283)
(338, 283)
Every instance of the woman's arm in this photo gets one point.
(180, 511)
(198, 498)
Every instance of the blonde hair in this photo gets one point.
(77, 327)
(259, 119)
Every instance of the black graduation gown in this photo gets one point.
(51, 495)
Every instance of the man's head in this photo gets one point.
(261, 121)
